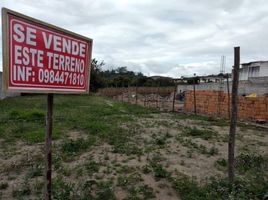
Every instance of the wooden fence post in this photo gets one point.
(194, 97)
(48, 152)
(136, 94)
(231, 144)
(174, 96)
(144, 103)
(128, 93)
(228, 92)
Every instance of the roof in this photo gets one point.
(254, 62)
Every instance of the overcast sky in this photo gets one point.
(165, 37)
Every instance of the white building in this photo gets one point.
(253, 70)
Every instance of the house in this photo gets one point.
(253, 78)
(253, 70)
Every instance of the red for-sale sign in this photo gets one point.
(43, 58)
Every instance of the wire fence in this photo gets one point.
(168, 102)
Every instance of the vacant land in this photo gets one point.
(103, 149)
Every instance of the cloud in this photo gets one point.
(171, 37)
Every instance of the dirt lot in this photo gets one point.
(103, 149)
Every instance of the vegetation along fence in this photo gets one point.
(112, 91)
(162, 98)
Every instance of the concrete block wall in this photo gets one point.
(257, 85)
(216, 103)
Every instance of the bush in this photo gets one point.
(62, 190)
(159, 171)
(249, 162)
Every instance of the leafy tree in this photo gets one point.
(121, 77)
(96, 80)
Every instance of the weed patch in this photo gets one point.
(72, 147)
(94, 190)
(249, 162)
(200, 133)
(3, 186)
(244, 188)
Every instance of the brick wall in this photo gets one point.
(216, 103)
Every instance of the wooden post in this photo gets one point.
(136, 94)
(157, 95)
(231, 144)
(174, 96)
(145, 100)
(194, 97)
(228, 92)
(128, 100)
(48, 156)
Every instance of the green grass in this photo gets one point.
(90, 190)
(249, 187)
(72, 147)
(200, 133)
(98, 119)
(23, 118)
(199, 148)
(252, 162)
(212, 120)
(159, 171)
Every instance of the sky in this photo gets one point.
(166, 37)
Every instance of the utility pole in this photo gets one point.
(231, 144)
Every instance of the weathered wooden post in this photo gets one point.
(194, 96)
(128, 91)
(174, 97)
(228, 92)
(48, 152)
(157, 95)
(231, 144)
(144, 103)
(136, 94)
(122, 97)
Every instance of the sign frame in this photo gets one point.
(5, 49)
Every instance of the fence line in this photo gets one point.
(113, 91)
(164, 102)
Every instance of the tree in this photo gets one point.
(96, 80)
(121, 77)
